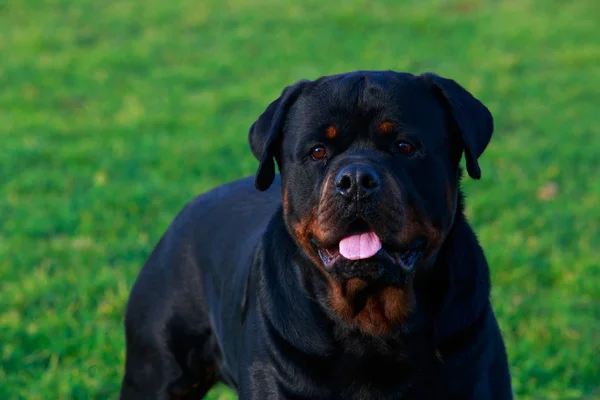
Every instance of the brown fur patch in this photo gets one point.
(421, 227)
(309, 226)
(285, 200)
(303, 229)
(416, 225)
(353, 286)
(385, 127)
(331, 132)
(382, 310)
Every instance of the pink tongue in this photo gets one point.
(359, 247)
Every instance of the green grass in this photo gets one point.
(113, 114)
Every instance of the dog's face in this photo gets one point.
(370, 168)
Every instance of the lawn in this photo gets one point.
(113, 114)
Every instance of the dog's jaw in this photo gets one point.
(375, 310)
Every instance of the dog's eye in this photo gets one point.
(318, 153)
(405, 148)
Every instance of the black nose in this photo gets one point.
(357, 180)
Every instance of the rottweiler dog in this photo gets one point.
(351, 274)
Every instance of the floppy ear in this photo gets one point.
(473, 120)
(265, 134)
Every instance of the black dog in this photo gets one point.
(354, 276)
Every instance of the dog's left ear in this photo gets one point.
(265, 134)
(473, 120)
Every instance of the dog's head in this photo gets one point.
(370, 172)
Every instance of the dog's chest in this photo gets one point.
(371, 376)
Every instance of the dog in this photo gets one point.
(351, 274)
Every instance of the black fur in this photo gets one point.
(235, 290)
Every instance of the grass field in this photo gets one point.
(113, 114)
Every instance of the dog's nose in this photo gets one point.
(357, 180)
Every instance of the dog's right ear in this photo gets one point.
(265, 134)
(473, 120)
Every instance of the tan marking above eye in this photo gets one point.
(331, 132)
(385, 127)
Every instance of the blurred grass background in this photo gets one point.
(113, 114)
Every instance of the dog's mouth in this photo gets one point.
(362, 243)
